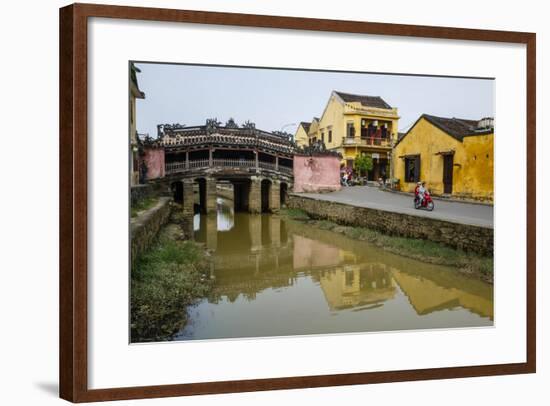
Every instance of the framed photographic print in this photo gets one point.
(254, 202)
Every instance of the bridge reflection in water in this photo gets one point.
(276, 278)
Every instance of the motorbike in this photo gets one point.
(427, 203)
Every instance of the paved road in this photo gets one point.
(368, 196)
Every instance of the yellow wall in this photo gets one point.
(301, 137)
(313, 130)
(476, 173)
(333, 119)
(473, 161)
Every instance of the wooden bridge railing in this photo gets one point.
(177, 167)
(234, 163)
(286, 169)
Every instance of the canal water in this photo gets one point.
(275, 278)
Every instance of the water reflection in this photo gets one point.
(285, 278)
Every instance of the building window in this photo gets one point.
(349, 276)
(323, 137)
(350, 130)
(412, 168)
(329, 136)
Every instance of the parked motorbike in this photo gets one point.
(427, 203)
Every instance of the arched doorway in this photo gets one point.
(265, 191)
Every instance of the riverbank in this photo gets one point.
(475, 265)
(371, 209)
(165, 279)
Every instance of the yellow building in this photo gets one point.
(135, 93)
(313, 129)
(453, 156)
(353, 124)
(301, 137)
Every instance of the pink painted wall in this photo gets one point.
(154, 159)
(316, 173)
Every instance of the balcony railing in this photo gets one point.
(176, 167)
(366, 141)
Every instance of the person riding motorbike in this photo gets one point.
(416, 189)
(421, 191)
(422, 197)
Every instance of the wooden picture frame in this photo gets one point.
(73, 199)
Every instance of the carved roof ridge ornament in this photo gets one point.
(250, 128)
(231, 123)
(163, 128)
(212, 125)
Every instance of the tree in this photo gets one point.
(362, 164)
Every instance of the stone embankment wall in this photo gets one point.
(462, 236)
(145, 227)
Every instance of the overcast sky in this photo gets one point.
(273, 99)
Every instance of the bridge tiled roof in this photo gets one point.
(241, 137)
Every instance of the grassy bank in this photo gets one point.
(170, 276)
(423, 250)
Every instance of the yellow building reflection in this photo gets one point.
(356, 285)
(426, 296)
